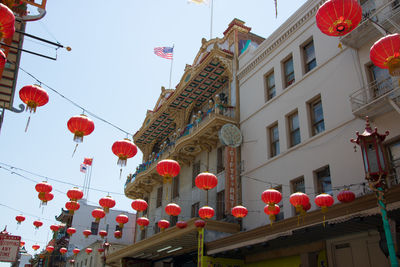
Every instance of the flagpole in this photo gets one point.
(89, 180)
(211, 23)
(170, 71)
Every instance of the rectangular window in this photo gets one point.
(297, 185)
(317, 117)
(288, 71)
(94, 228)
(220, 159)
(279, 216)
(155, 228)
(323, 177)
(159, 196)
(195, 209)
(294, 129)
(175, 187)
(270, 86)
(309, 56)
(195, 172)
(148, 203)
(274, 140)
(221, 205)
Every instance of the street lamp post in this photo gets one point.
(376, 170)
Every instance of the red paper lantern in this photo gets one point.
(239, 211)
(124, 149)
(87, 233)
(98, 214)
(206, 212)
(163, 224)
(272, 212)
(54, 228)
(72, 261)
(43, 188)
(103, 233)
(299, 200)
(3, 59)
(338, 17)
(168, 169)
(107, 203)
(173, 209)
(63, 251)
(35, 247)
(76, 251)
(200, 224)
(117, 234)
(271, 197)
(385, 53)
(142, 222)
(88, 250)
(181, 224)
(46, 198)
(100, 250)
(72, 206)
(206, 181)
(346, 196)
(50, 249)
(37, 224)
(121, 220)
(33, 96)
(19, 219)
(139, 205)
(80, 126)
(22, 243)
(75, 194)
(324, 201)
(307, 207)
(71, 231)
(7, 21)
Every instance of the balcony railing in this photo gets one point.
(187, 131)
(373, 92)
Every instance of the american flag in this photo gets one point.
(83, 168)
(164, 52)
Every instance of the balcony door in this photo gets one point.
(381, 81)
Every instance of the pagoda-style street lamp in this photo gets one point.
(376, 170)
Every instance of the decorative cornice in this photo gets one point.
(250, 66)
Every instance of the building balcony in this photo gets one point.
(387, 16)
(202, 135)
(376, 99)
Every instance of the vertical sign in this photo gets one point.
(9, 246)
(230, 178)
(200, 248)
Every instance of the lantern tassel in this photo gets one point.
(120, 173)
(73, 153)
(323, 222)
(27, 123)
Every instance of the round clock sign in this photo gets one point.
(230, 135)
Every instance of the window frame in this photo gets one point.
(159, 196)
(296, 181)
(93, 229)
(291, 130)
(195, 209)
(268, 87)
(314, 124)
(274, 150)
(220, 159)
(306, 64)
(220, 205)
(195, 172)
(175, 186)
(318, 180)
(286, 76)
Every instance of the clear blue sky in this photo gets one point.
(112, 72)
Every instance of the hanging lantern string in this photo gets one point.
(71, 101)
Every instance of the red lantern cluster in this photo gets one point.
(173, 209)
(121, 220)
(76, 251)
(139, 205)
(346, 196)
(80, 126)
(181, 224)
(168, 169)
(338, 17)
(44, 190)
(206, 181)
(50, 249)
(299, 200)
(206, 212)
(107, 203)
(54, 228)
(385, 53)
(88, 250)
(117, 234)
(19, 219)
(142, 222)
(72, 206)
(71, 231)
(7, 22)
(37, 224)
(63, 251)
(271, 197)
(75, 194)
(239, 212)
(35, 247)
(272, 212)
(163, 224)
(103, 234)
(124, 149)
(87, 233)
(98, 214)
